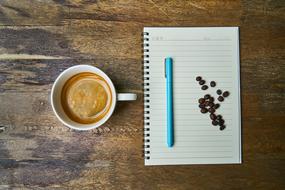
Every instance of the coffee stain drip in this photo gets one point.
(146, 134)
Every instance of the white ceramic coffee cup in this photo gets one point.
(56, 96)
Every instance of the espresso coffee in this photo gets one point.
(86, 98)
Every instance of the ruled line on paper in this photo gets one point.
(192, 151)
(156, 126)
(214, 60)
(161, 98)
(205, 40)
(161, 77)
(191, 58)
(190, 130)
(194, 66)
(199, 45)
(193, 71)
(189, 157)
(186, 82)
(196, 146)
(162, 87)
(161, 111)
(154, 93)
(194, 92)
(194, 61)
(195, 113)
(190, 119)
(190, 143)
(195, 50)
(196, 135)
(209, 141)
(194, 127)
(198, 56)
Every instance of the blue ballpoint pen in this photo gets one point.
(169, 100)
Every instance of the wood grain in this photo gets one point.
(39, 39)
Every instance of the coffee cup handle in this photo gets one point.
(126, 96)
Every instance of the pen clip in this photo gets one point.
(165, 68)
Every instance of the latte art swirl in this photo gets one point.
(86, 98)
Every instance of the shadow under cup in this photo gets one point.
(56, 95)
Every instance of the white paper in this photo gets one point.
(210, 52)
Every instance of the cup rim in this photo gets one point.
(92, 69)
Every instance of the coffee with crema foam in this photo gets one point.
(86, 98)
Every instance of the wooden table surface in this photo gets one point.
(39, 39)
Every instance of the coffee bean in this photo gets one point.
(221, 121)
(221, 98)
(212, 83)
(198, 78)
(216, 106)
(214, 122)
(201, 82)
(204, 87)
(219, 92)
(219, 117)
(201, 100)
(207, 96)
(204, 110)
(211, 110)
(207, 103)
(211, 104)
(211, 99)
(222, 127)
(201, 105)
(226, 94)
(213, 116)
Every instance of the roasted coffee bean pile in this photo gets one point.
(207, 103)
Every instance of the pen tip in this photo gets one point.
(170, 145)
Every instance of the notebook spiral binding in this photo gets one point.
(146, 140)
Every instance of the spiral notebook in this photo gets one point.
(213, 54)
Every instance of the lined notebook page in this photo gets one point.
(210, 52)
